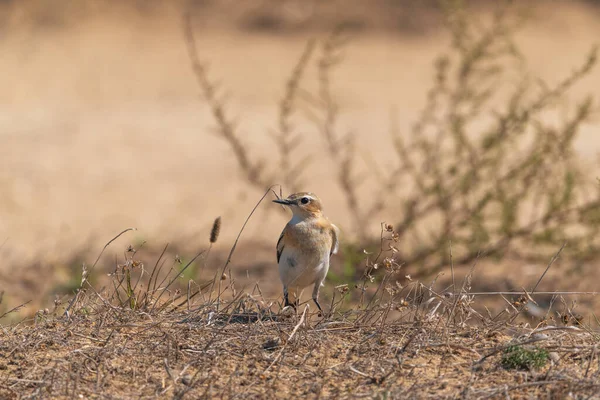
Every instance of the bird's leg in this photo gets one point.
(317, 303)
(315, 295)
(286, 298)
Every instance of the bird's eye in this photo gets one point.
(304, 200)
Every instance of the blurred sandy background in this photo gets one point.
(102, 127)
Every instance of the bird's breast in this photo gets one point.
(309, 238)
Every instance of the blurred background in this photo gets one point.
(105, 125)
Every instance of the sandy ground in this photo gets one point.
(133, 357)
(102, 127)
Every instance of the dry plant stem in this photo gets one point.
(205, 259)
(464, 290)
(3, 243)
(17, 308)
(171, 269)
(226, 127)
(452, 267)
(214, 235)
(554, 258)
(528, 295)
(108, 244)
(175, 278)
(340, 147)
(285, 138)
(219, 275)
(290, 337)
(191, 296)
(156, 271)
(142, 269)
(66, 312)
(155, 286)
(557, 293)
(369, 266)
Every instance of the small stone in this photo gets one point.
(539, 336)
(271, 344)
(186, 380)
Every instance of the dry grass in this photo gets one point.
(235, 346)
(135, 337)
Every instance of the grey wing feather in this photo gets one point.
(280, 246)
(335, 244)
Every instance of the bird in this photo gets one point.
(305, 246)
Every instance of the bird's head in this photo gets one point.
(303, 204)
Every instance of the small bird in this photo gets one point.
(305, 246)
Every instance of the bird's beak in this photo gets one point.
(285, 202)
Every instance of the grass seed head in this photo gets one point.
(216, 229)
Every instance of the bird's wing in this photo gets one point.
(280, 246)
(335, 243)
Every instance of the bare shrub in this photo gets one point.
(490, 178)
(515, 181)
